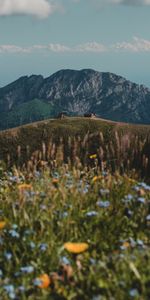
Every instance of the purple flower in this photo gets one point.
(43, 247)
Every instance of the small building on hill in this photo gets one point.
(62, 115)
(90, 115)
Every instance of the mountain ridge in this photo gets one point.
(77, 91)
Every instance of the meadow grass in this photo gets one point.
(75, 211)
(121, 147)
(46, 206)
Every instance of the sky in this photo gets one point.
(44, 36)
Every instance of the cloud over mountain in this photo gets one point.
(122, 2)
(38, 8)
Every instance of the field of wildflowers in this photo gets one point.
(73, 232)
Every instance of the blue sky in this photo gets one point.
(43, 36)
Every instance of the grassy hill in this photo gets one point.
(117, 145)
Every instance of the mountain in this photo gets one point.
(110, 96)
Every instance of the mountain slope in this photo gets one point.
(106, 94)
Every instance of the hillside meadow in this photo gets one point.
(118, 146)
(75, 211)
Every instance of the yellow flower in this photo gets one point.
(76, 248)
(24, 186)
(2, 224)
(93, 156)
(96, 178)
(55, 180)
(45, 281)
(126, 245)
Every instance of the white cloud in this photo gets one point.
(122, 2)
(135, 45)
(56, 48)
(13, 49)
(90, 47)
(38, 8)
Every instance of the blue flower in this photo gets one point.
(140, 243)
(14, 233)
(144, 186)
(32, 245)
(128, 198)
(132, 242)
(136, 188)
(21, 288)
(10, 291)
(64, 260)
(103, 204)
(27, 269)
(8, 255)
(104, 192)
(43, 247)
(14, 226)
(37, 282)
(134, 293)
(141, 200)
(91, 213)
(148, 218)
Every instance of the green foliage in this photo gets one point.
(27, 112)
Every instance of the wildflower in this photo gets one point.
(125, 245)
(24, 186)
(144, 186)
(14, 226)
(103, 204)
(43, 247)
(42, 281)
(91, 213)
(43, 207)
(76, 248)
(133, 293)
(14, 233)
(64, 260)
(148, 218)
(8, 255)
(2, 224)
(131, 180)
(21, 288)
(93, 156)
(140, 243)
(142, 192)
(55, 180)
(32, 245)
(28, 269)
(141, 200)
(104, 192)
(132, 242)
(10, 291)
(96, 178)
(136, 188)
(128, 198)
(64, 214)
